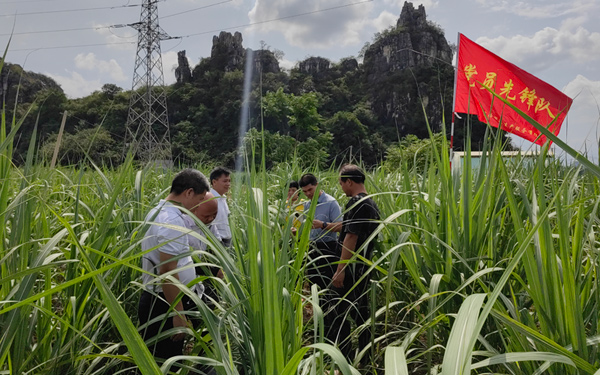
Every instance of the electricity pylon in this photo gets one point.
(147, 120)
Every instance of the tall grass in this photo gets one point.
(523, 236)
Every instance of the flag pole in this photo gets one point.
(454, 100)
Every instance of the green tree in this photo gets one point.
(110, 90)
(297, 115)
(349, 135)
(91, 144)
(280, 148)
(412, 151)
(313, 153)
(107, 107)
(46, 110)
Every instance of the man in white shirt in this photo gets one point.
(168, 262)
(220, 179)
(206, 212)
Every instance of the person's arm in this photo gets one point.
(335, 215)
(333, 227)
(171, 291)
(348, 248)
(336, 218)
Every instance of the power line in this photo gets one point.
(195, 9)
(105, 27)
(72, 46)
(26, 1)
(203, 32)
(278, 18)
(57, 31)
(68, 10)
(119, 36)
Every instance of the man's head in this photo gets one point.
(188, 188)
(308, 183)
(352, 179)
(292, 195)
(206, 211)
(220, 179)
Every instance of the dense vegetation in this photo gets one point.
(323, 112)
(494, 270)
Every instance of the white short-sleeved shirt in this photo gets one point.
(194, 242)
(169, 241)
(221, 222)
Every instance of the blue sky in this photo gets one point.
(73, 41)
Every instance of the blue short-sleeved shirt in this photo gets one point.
(327, 210)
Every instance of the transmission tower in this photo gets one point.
(147, 120)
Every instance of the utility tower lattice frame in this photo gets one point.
(147, 120)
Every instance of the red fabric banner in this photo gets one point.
(478, 67)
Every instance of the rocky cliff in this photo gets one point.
(227, 52)
(314, 65)
(183, 73)
(265, 61)
(349, 64)
(409, 67)
(31, 83)
(414, 42)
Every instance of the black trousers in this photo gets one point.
(341, 307)
(151, 307)
(320, 269)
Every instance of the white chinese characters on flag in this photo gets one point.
(479, 68)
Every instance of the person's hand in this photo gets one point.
(179, 321)
(338, 278)
(294, 231)
(220, 274)
(316, 224)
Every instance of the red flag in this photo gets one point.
(478, 67)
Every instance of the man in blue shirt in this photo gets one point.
(323, 235)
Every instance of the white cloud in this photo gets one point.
(428, 4)
(286, 64)
(548, 46)
(541, 8)
(385, 20)
(320, 29)
(585, 94)
(91, 62)
(581, 129)
(74, 85)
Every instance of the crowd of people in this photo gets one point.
(336, 238)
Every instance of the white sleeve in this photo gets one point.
(172, 241)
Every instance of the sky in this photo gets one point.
(84, 44)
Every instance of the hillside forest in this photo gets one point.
(320, 112)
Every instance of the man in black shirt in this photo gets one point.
(361, 219)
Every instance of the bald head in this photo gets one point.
(206, 211)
